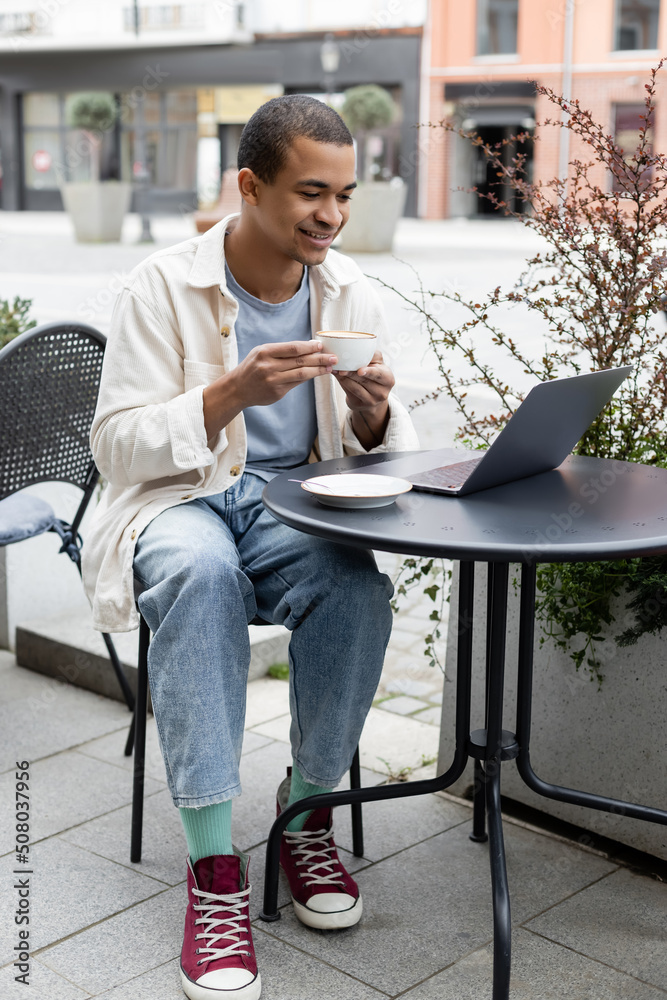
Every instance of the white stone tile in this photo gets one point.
(541, 970)
(411, 688)
(288, 974)
(621, 920)
(70, 889)
(400, 741)
(267, 699)
(162, 983)
(406, 640)
(392, 825)
(46, 716)
(164, 848)
(125, 946)
(430, 715)
(253, 741)
(429, 905)
(402, 705)
(254, 810)
(43, 984)
(111, 749)
(67, 789)
(276, 729)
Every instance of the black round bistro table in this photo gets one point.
(587, 509)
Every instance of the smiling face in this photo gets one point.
(302, 211)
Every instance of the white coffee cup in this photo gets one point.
(353, 349)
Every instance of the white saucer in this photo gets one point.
(356, 490)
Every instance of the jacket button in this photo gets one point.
(225, 331)
(235, 471)
(133, 535)
(188, 496)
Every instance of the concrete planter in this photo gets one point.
(611, 741)
(97, 209)
(376, 208)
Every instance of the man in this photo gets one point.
(213, 383)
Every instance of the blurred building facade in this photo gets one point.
(186, 77)
(482, 59)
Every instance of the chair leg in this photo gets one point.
(129, 743)
(73, 550)
(357, 821)
(140, 743)
(119, 672)
(479, 834)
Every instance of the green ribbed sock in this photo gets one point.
(301, 789)
(208, 830)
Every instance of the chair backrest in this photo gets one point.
(49, 381)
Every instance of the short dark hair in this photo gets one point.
(269, 134)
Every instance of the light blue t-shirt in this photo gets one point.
(280, 435)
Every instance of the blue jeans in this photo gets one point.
(209, 567)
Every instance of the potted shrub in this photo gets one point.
(14, 318)
(378, 202)
(595, 295)
(97, 208)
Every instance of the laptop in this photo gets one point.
(537, 437)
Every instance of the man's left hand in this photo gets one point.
(366, 394)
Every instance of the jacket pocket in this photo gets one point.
(200, 373)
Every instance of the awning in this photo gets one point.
(520, 116)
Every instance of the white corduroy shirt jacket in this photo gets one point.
(172, 334)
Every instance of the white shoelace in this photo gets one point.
(310, 844)
(222, 926)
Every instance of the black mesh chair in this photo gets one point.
(137, 740)
(49, 380)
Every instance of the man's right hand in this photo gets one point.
(265, 375)
(269, 371)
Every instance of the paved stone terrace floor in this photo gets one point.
(585, 926)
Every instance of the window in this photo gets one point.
(165, 17)
(41, 109)
(628, 119)
(53, 152)
(497, 26)
(170, 121)
(636, 24)
(11, 24)
(25, 22)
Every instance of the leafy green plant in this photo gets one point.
(395, 775)
(93, 113)
(367, 107)
(14, 318)
(414, 573)
(280, 671)
(593, 295)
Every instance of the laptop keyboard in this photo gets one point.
(448, 476)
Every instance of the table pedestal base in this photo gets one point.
(489, 747)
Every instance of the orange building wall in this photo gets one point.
(604, 78)
(593, 31)
(453, 32)
(540, 30)
(434, 145)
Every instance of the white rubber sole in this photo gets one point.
(250, 992)
(329, 921)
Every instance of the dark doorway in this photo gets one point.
(485, 176)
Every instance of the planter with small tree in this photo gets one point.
(97, 208)
(377, 202)
(594, 295)
(14, 318)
